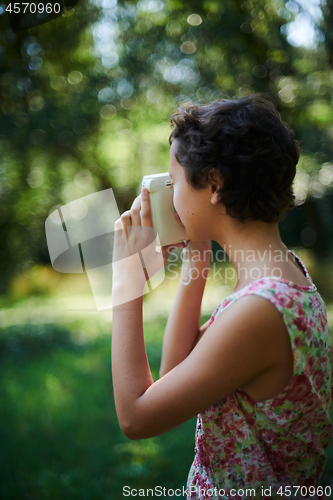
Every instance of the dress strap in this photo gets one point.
(302, 265)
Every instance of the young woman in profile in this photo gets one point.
(259, 373)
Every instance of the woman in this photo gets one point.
(259, 373)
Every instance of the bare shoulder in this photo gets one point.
(253, 318)
(246, 340)
(254, 308)
(257, 337)
(247, 346)
(251, 322)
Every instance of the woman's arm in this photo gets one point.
(243, 341)
(183, 326)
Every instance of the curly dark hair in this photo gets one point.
(255, 152)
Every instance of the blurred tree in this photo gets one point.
(86, 101)
(327, 26)
(47, 108)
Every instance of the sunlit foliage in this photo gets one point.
(86, 100)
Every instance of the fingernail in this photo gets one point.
(144, 190)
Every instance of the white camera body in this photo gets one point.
(162, 209)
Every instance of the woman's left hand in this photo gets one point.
(135, 237)
(134, 230)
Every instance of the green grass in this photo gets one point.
(59, 435)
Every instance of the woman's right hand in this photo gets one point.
(201, 250)
(167, 249)
(200, 253)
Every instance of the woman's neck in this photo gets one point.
(255, 249)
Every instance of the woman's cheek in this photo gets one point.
(177, 207)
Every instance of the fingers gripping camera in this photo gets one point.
(163, 211)
(80, 237)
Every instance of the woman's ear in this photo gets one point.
(216, 182)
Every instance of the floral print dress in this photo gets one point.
(279, 442)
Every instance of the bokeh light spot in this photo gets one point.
(107, 112)
(188, 47)
(106, 95)
(194, 20)
(35, 178)
(35, 63)
(33, 49)
(36, 103)
(75, 77)
(78, 209)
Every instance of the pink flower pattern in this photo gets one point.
(241, 443)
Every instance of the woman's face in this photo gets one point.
(192, 205)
